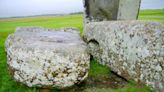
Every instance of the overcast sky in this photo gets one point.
(9, 8)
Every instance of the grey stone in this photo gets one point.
(47, 58)
(132, 49)
(100, 10)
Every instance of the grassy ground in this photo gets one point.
(152, 15)
(8, 26)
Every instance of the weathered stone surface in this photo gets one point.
(132, 49)
(100, 10)
(47, 57)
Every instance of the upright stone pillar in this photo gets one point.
(128, 9)
(100, 10)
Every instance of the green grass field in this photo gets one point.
(152, 15)
(8, 26)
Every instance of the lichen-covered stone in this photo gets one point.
(47, 58)
(132, 49)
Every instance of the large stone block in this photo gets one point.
(132, 49)
(100, 10)
(46, 58)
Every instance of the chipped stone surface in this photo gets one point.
(103, 10)
(132, 49)
(46, 58)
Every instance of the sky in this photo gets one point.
(11, 8)
(152, 4)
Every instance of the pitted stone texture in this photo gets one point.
(133, 49)
(47, 58)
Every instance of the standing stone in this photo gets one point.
(128, 9)
(47, 58)
(132, 49)
(100, 10)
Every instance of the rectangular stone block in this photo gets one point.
(128, 9)
(99, 10)
(132, 49)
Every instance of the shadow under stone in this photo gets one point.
(112, 81)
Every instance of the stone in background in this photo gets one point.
(132, 49)
(47, 58)
(100, 10)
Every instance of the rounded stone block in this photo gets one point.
(46, 58)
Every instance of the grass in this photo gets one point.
(97, 70)
(152, 15)
(128, 88)
(159, 12)
(7, 26)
